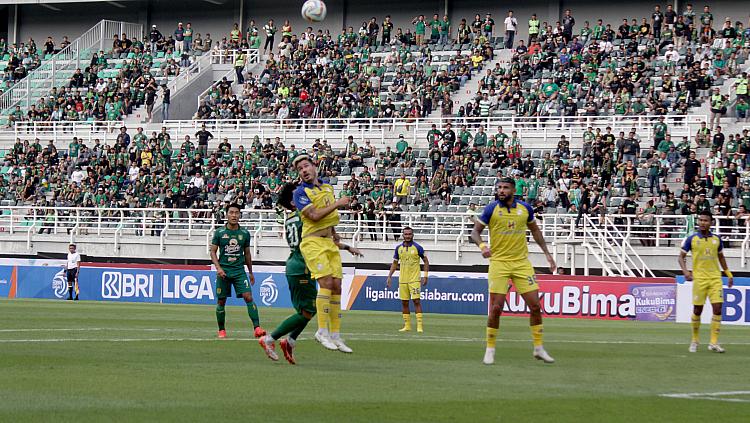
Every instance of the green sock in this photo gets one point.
(252, 311)
(296, 332)
(289, 325)
(220, 316)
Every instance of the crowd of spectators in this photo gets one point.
(664, 63)
(21, 58)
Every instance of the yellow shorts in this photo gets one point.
(408, 291)
(521, 272)
(322, 257)
(711, 288)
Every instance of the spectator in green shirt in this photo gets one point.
(420, 25)
(401, 146)
(445, 30)
(435, 29)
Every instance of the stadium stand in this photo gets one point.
(603, 122)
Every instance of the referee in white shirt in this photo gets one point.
(71, 269)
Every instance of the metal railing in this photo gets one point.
(228, 56)
(60, 67)
(440, 229)
(225, 57)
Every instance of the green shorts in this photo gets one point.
(304, 291)
(240, 282)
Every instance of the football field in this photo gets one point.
(94, 361)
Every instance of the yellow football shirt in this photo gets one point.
(706, 251)
(507, 227)
(408, 257)
(320, 196)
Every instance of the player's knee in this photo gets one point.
(222, 302)
(416, 302)
(496, 310)
(535, 308)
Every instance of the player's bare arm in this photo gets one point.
(394, 265)
(683, 265)
(426, 269)
(346, 247)
(539, 239)
(723, 262)
(476, 238)
(249, 264)
(215, 260)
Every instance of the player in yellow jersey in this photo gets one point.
(408, 254)
(507, 220)
(320, 247)
(708, 253)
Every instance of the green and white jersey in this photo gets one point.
(232, 244)
(295, 264)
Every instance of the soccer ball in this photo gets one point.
(314, 11)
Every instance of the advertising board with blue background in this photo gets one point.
(736, 308)
(168, 284)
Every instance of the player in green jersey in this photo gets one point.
(232, 242)
(302, 286)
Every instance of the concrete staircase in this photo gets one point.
(470, 89)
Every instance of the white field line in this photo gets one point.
(387, 337)
(711, 396)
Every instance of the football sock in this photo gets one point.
(220, 316)
(70, 292)
(252, 311)
(537, 333)
(715, 328)
(419, 320)
(287, 326)
(298, 330)
(491, 337)
(323, 304)
(335, 314)
(695, 325)
(407, 319)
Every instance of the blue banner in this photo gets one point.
(441, 295)
(153, 285)
(5, 280)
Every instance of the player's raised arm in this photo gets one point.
(315, 214)
(539, 239)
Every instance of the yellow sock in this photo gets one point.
(491, 336)
(715, 328)
(695, 325)
(407, 319)
(323, 306)
(419, 320)
(537, 335)
(335, 315)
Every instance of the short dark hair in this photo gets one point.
(506, 180)
(235, 206)
(407, 228)
(706, 213)
(72, 245)
(286, 196)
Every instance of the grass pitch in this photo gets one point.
(92, 361)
